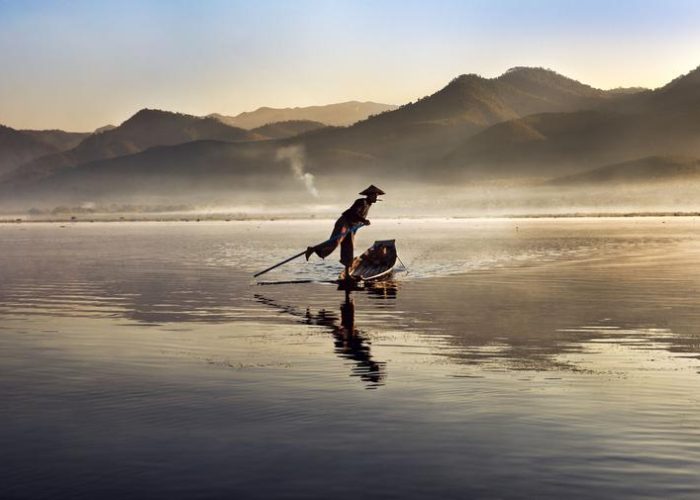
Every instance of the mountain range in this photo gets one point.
(340, 114)
(651, 169)
(18, 147)
(289, 128)
(528, 123)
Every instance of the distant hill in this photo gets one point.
(145, 129)
(183, 169)
(104, 128)
(424, 131)
(643, 170)
(17, 147)
(59, 139)
(632, 125)
(680, 95)
(341, 114)
(543, 144)
(485, 101)
(21, 146)
(291, 128)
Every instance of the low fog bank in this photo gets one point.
(269, 179)
(329, 197)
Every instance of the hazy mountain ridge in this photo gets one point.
(680, 94)
(665, 121)
(541, 144)
(104, 128)
(642, 170)
(421, 132)
(410, 136)
(486, 101)
(286, 129)
(17, 148)
(145, 129)
(526, 123)
(340, 114)
(21, 146)
(167, 170)
(59, 139)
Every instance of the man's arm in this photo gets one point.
(358, 211)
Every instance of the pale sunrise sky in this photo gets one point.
(79, 65)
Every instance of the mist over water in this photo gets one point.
(303, 195)
(515, 358)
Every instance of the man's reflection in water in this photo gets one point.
(350, 342)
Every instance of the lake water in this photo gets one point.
(516, 358)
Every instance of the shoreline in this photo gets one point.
(84, 218)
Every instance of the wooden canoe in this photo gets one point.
(376, 263)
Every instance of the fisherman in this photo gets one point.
(343, 233)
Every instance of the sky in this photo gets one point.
(82, 64)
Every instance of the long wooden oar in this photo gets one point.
(352, 230)
(295, 282)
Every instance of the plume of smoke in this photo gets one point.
(295, 156)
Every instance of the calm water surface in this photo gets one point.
(515, 359)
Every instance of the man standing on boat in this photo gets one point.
(344, 230)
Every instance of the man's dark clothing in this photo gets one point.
(357, 213)
(341, 235)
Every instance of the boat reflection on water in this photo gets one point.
(350, 342)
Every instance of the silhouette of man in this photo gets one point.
(343, 234)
